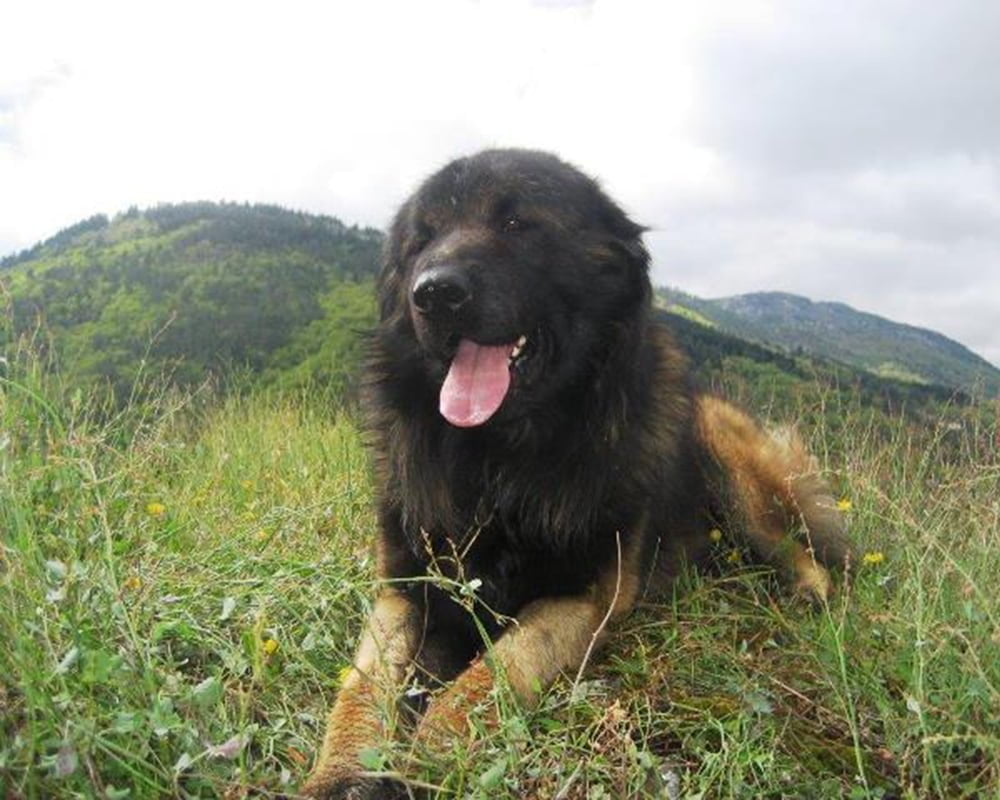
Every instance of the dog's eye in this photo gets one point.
(512, 223)
(421, 238)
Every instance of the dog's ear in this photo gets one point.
(626, 263)
(391, 283)
(626, 234)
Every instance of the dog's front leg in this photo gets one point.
(551, 636)
(359, 717)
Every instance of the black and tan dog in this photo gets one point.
(537, 438)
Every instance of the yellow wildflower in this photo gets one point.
(715, 535)
(344, 674)
(270, 646)
(156, 509)
(873, 558)
(132, 583)
(734, 557)
(843, 504)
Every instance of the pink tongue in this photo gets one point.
(476, 383)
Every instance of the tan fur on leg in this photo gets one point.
(813, 581)
(447, 717)
(772, 487)
(551, 635)
(359, 716)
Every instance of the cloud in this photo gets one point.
(340, 107)
(855, 84)
(858, 144)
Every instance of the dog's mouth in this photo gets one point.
(479, 378)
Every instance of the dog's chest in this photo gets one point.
(507, 557)
(522, 528)
(498, 571)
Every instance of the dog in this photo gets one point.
(540, 453)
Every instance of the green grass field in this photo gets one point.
(181, 584)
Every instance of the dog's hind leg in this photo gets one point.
(769, 487)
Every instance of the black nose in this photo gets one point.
(441, 291)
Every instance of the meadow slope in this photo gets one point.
(182, 582)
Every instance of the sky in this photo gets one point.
(845, 151)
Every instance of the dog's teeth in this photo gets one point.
(518, 347)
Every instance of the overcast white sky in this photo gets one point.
(845, 151)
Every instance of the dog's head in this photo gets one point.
(513, 272)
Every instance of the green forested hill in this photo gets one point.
(195, 289)
(837, 331)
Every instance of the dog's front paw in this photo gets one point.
(352, 787)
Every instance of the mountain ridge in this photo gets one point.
(836, 330)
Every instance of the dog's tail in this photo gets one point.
(770, 488)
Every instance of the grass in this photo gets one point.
(181, 584)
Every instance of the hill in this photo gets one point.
(766, 378)
(195, 289)
(837, 331)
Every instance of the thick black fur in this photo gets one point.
(595, 433)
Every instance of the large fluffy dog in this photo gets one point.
(539, 447)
